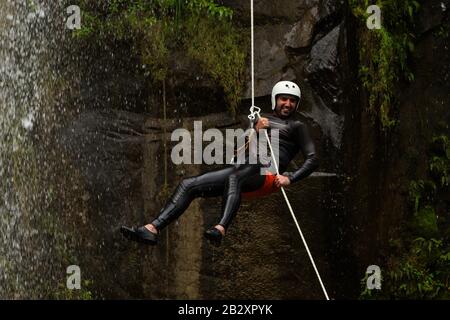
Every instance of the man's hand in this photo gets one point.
(282, 181)
(262, 124)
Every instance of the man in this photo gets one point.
(246, 179)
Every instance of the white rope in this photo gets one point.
(255, 110)
(252, 54)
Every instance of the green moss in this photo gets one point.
(419, 266)
(84, 293)
(424, 223)
(384, 54)
(421, 193)
(157, 30)
(220, 52)
(422, 272)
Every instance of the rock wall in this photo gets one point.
(348, 211)
(121, 154)
(379, 166)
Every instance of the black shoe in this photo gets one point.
(214, 236)
(139, 234)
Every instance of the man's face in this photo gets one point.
(285, 105)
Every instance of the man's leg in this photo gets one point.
(210, 184)
(245, 178)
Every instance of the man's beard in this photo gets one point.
(284, 113)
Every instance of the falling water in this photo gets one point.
(29, 56)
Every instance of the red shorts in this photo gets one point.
(267, 188)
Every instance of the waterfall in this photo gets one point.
(30, 36)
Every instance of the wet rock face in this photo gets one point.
(286, 37)
(123, 167)
(322, 69)
(271, 60)
(272, 10)
(263, 256)
(380, 177)
(294, 29)
(432, 15)
(301, 34)
(114, 79)
(107, 146)
(107, 149)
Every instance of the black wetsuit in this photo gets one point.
(232, 180)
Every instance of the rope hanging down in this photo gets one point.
(255, 111)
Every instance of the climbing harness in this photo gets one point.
(255, 112)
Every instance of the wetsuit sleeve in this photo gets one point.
(309, 152)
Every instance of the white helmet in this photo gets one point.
(285, 87)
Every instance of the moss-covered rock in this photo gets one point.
(424, 223)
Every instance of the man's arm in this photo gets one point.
(309, 152)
